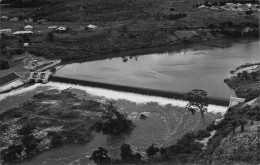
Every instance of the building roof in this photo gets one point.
(23, 32)
(92, 26)
(28, 27)
(4, 30)
(52, 27)
(8, 78)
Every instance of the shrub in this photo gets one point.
(27, 129)
(175, 16)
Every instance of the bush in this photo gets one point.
(27, 129)
(175, 16)
(132, 36)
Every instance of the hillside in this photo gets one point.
(128, 24)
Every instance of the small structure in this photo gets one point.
(14, 19)
(42, 21)
(25, 44)
(93, 27)
(52, 27)
(5, 31)
(234, 101)
(4, 17)
(61, 28)
(9, 81)
(28, 27)
(22, 32)
(40, 76)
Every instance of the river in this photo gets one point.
(202, 66)
(194, 66)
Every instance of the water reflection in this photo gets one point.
(196, 66)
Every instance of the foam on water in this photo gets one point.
(18, 91)
(133, 97)
(115, 95)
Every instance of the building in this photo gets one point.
(4, 17)
(61, 28)
(52, 27)
(93, 27)
(5, 31)
(14, 19)
(22, 32)
(28, 27)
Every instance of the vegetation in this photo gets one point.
(197, 101)
(52, 119)
(246, 84)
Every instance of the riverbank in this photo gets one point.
(245, 81)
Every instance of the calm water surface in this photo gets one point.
(203, 66)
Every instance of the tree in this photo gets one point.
(234, 125)
(128, 156)
(151, 151)
(11, 153)
(50, 36)
(242, 125)
(197, 101)
(30, 143)
(26, 129)
(100, 156)
(249, 12)
(126, 152)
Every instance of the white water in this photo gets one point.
(115, 95)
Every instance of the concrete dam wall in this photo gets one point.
(138, 90)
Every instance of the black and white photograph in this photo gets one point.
(149, 82)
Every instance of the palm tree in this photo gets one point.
(197, 101)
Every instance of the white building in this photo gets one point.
(52, 27)
(61, 28)
(4, 17)
(22, 32)
(28, 27)
(5, 31)
(90, 26)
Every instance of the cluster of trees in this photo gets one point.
(100, 156)
(252, 76)
(28, 144)
(114, 122)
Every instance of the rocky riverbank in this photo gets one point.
(245, 80)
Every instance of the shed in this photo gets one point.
(4, 17)
(90, 26)
(22, 32)
(5, 31)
